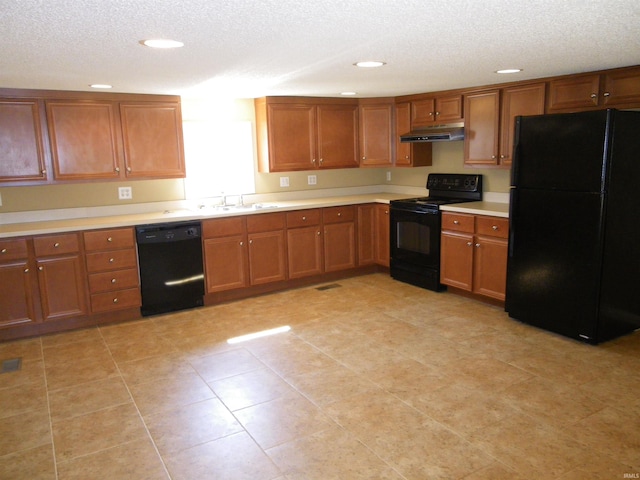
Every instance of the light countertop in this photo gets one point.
(9, 230)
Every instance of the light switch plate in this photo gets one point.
(124, 193)
(312, 180)
(0, 200)
(388, 176)
(284, 181)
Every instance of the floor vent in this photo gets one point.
(11, 365)
(328, 287)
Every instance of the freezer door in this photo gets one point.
(561, 152)
(554, 261)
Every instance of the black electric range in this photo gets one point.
(415, 227)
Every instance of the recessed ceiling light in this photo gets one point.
(100, 85)
(509, 70)
(162, 43)
(369, 64)
(348, 93)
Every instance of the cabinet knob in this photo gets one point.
(111, 260)
(318, 232)
(495, 227)
(606, 94)
(109, 239)
(456, 222)
(339, 214)
(304, 219)
(115, 300)
(469, 244)
(364, 158)
(26, 270)
(313, 160)
(41, 268)
(501, 157)
(493, 157)
(437, 113)
(406, 157)
(242, 244)
(593, 95)
(321, 161)
(56, 245)
(477, 245)
(431, 114)
(117, 169)
(250, 242)
(386, 212)
(129, 169)
(4, 250)
(113, 280)
(43, 172)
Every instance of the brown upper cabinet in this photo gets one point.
(489, 122)
(615, 88)
(83, 136)
(376, 132)
(297, 133)
(437, 110)
(409, 154)
(22, 143)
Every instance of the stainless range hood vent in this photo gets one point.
(437, 133)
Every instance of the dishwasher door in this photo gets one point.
(171, 268)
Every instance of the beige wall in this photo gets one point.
(448, 157)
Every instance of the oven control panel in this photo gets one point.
(454, 182)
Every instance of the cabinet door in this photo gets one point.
(84, 139)
(339, 246)
(304, 251)
(422, 112)
(376, 135)
(16, 301)
(366, 234)
(575, 93)
(63, 291)
(382, 247)
(436, 110)
(403, 125)
(622, 88)
(267, 257)
(456, 260)
(524, 100)
(448, 109)
(22, 153)
(291, 137)
(225, 260)
(490, 266)
(337, 136)
(482, 115)
(152, 137)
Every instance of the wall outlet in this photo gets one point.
(284, 181)
(388, 176)
(312, 180)
(124, 193)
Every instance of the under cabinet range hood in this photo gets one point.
(437, 133)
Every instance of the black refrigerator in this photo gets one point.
(574, 242)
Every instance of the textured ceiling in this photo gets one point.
(250, 48)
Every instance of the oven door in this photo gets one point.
(415, 248)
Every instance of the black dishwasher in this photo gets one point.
(171, 269)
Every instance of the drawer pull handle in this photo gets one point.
(495, 227)
(456, 222)
(115, 300)
(109, 239)
(56, 245)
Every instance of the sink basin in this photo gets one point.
(236, 208)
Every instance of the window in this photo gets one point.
(219, 158)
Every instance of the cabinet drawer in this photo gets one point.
(338, 214)
(223, 227)
(108, 239)
(56, 244)
(458, 222)
(303, 218)
(493, 226)
(13, 249)
(116, 280)
(104, 302)
(265, 222)
(115, 260)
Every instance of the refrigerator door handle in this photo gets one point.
(512, 217)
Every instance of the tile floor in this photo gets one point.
(376, 380)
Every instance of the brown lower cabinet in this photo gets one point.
(474, 253)
(304, 243)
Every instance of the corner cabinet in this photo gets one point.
(474, 253)
(298, 133)
(376, 133)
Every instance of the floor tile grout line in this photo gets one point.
(46, 386)
(146, 428)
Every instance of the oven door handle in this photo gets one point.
(420, 212)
